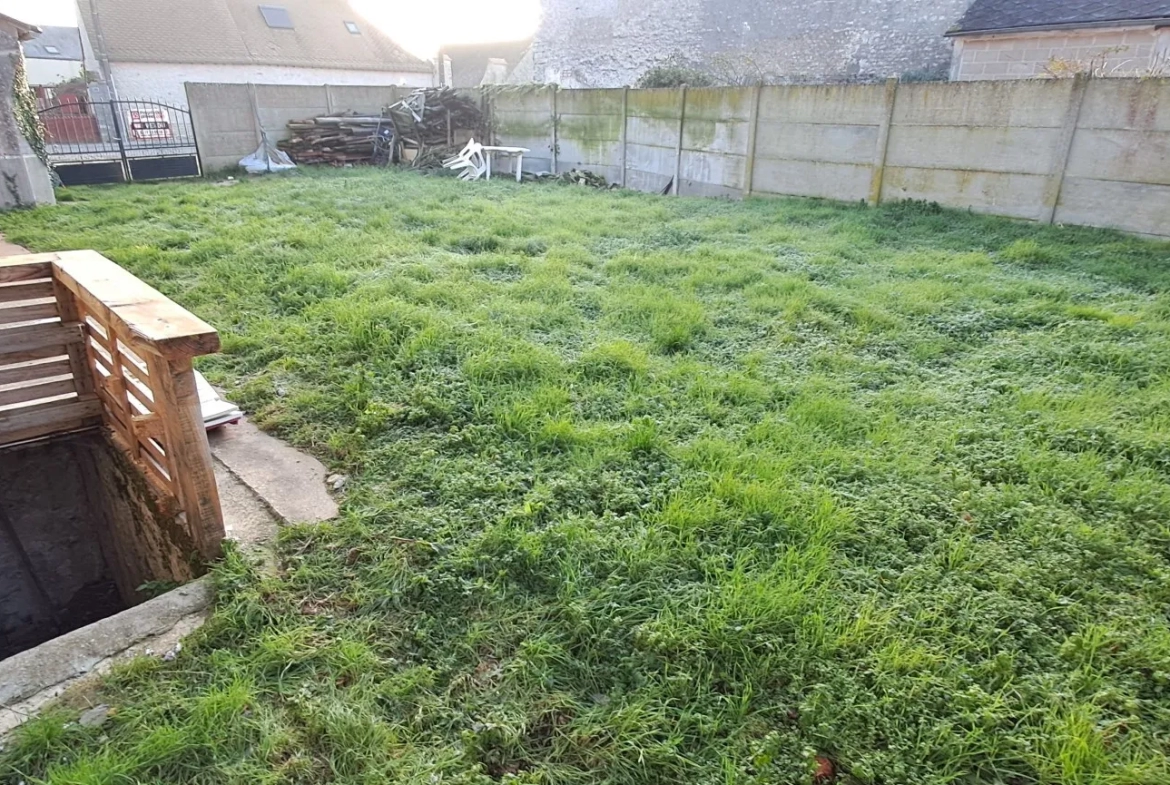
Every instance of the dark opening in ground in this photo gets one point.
(81, 536)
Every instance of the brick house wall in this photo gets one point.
(1120, 51)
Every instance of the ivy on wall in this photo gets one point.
(24, 102)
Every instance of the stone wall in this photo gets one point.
(610, 43)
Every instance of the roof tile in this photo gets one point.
(985, 15)
(233, 32)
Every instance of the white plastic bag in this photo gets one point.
(267, 159)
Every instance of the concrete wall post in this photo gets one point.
(682, 124)
(883, 143)
(749, 161)
(1055, 182)
(555, 121)
(625, 131)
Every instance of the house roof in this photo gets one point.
(469, 62)
(66, 40)
(24, 31)
(234, 32)
(986, 16)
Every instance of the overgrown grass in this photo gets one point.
(652, 490)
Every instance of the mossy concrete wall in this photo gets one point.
(1094, 153)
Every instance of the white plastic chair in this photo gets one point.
(470, 159)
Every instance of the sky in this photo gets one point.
(419, 27)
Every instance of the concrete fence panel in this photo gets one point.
(715, 142)
(589, 131)
(818, 141)
(524, 118)
(224, 123)
(653, 138)
(1118, 170)
(1094, 152)
(988, 146)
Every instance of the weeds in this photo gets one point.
(654, 490)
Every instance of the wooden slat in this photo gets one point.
(154, 451)
(32, 290)
(98, 332)
(35, 391)
(23, 372)
(16, 268)
(136, 391)
(78, 354)
(111, 400)
(33, 422)
(30, 338)
(167, 498)
(177, 404)
(29, 312)
(151, 322)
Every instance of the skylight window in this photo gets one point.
(353, 28)
(52, 50)
(277, 17)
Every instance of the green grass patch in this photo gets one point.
(653, 490)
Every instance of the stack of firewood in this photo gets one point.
(333, 140)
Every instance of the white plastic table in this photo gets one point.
(516, 152)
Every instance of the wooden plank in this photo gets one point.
(159, 457)
(151, 322)
(29, 312)
(79, 361)
(177, 404)
(148, 426)
(135, 389)
(38, 369)
(33, 422)
(21, 340)
(45, 352)
(23, 268)
(38, 390)
(98, 332)
(113, 416)
(32, 290)
(168, 501)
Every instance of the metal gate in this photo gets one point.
(118, 141)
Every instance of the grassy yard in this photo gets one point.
(653, 490)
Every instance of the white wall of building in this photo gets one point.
(46, 73)
(1119, 51)
(165, 82)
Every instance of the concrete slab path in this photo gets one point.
(289, 481)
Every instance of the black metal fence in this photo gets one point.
(118, 141)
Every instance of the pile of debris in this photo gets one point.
(430, 122)
(341, 140)
(419, 129)
(578, 177)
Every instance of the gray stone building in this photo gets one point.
(610, 43)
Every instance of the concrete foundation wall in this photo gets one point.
(1093, 152)
(80, 532)
(51, 560)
